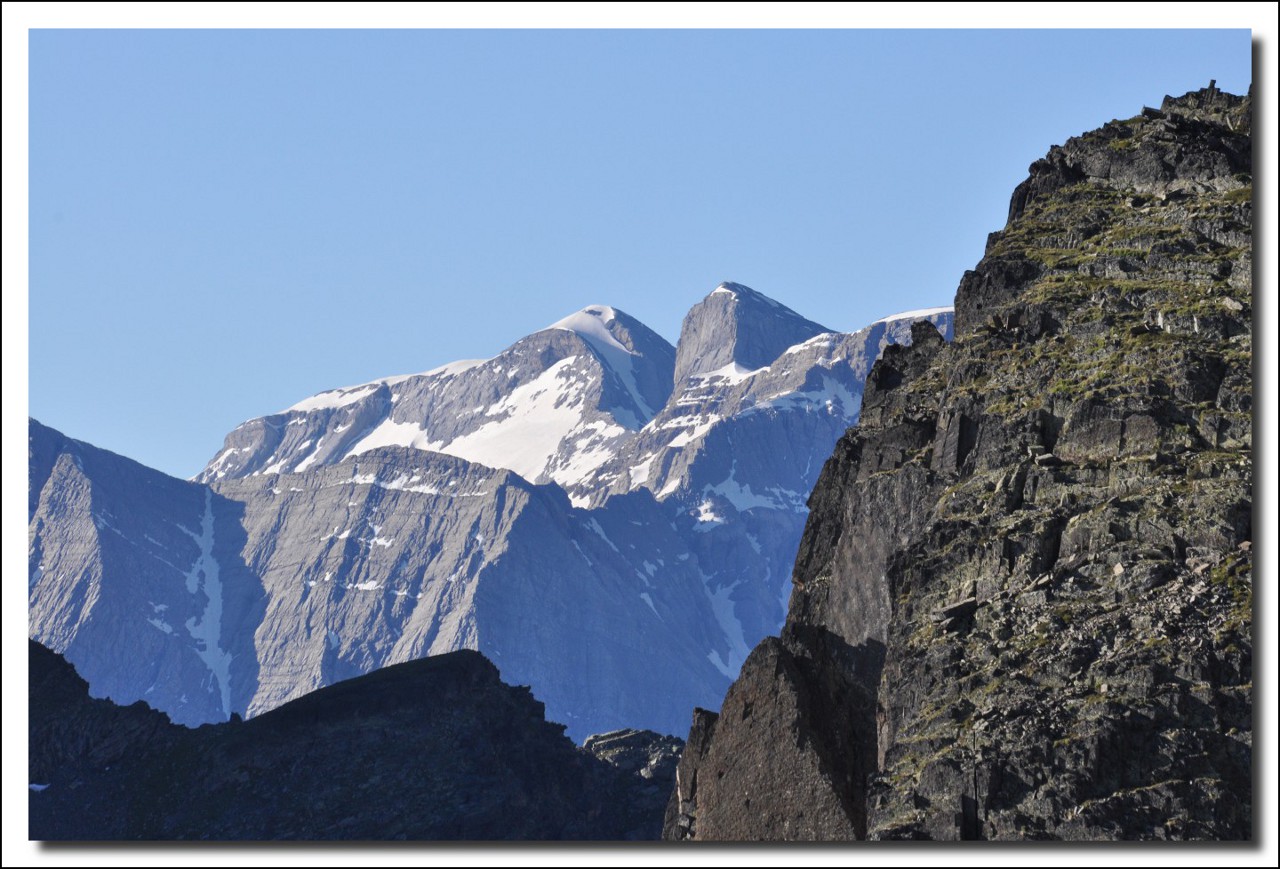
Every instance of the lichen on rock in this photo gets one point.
(1034, 551)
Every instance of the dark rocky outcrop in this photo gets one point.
(1022, 607)
(437, 748)
(777, 733)
(646, 762)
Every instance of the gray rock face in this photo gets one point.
(617, 545)
(392, 556)
(1035, 549)
(140, 580)
(401, 554)
(649, 755)
(735, 325)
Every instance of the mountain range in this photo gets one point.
(608, 518)
(1018, 592)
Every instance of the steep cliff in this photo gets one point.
(1022, 605)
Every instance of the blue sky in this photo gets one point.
(224, 222)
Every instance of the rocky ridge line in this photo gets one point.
(431, 749)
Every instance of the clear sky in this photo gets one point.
(224, 222)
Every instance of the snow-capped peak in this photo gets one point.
(630, 350)
(742, 291)
(593, 323)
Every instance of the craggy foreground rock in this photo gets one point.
(432, 749)
(646, 762)
(1022, 606)
(776, 734)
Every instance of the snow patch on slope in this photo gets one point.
(640, 473)
(206, 629)
(315, 453)
(832, 396)
(722, 608)
(590, 324)
(743, 499)
(707, 517)
(691, 434)
(823, 341)
(161, 625)
(390, 433)
(216, 465)
(333, 398)
(536, 421)
(593, 445)
(644, 596)
(734, 372)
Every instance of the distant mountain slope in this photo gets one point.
(432, 749)
(139, 579)
(736, 326)
(548, 407)
(417, 515)
(301, 580)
